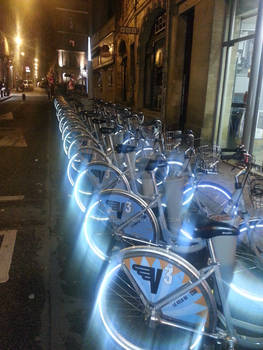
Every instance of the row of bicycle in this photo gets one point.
(147, 190)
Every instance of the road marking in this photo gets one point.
(11, 198)
(11, 137)
(7, 243)
(7, 116)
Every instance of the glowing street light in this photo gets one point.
(22, 53)
(18, 40)
(36, 59)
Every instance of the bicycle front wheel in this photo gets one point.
(97, 177)
(116, 219)
(136, 281)
(210, 197)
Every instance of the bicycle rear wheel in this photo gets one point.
(81, 159)
(253, 237)
(116, 219)
(210, 197)
(97, 177)
(136, 280)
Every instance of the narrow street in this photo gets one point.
(47, 283)
(24, 213)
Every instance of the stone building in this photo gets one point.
(187, 62)
(6, 44)
(71, 37)
(74, 24)
(4, 60)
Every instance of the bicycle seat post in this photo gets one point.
(112, 149)
(130, 159)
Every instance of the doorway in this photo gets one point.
(189, 23)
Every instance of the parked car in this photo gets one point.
(28, 85)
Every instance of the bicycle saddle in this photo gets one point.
(107, 131)
(207, 228)
(125, 148)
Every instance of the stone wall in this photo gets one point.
(208, 27)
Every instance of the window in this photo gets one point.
(160, 23)
(70, 23)
(72, 43)
(237, 60)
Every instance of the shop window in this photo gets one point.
(237, 60)
(245, 19)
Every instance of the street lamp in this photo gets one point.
(36, 68)
(18, 40)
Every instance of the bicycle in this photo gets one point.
(149, 293)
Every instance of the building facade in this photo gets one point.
(6, 45)
(72, 28)
(187, 62)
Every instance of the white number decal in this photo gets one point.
(107, 174)
(168, 274)
(128, 207)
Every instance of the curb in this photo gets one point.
(5, 98)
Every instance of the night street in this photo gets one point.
(47, 301)
(131, 175)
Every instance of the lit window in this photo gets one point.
(72, 43)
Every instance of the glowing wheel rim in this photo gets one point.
(159, 337)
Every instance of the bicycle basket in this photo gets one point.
(172, 139)
(256, 193)
(208, 158)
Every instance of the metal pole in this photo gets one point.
(90, 72)
(251, 113)
(220, 85)
(255, 116)
(226, 69)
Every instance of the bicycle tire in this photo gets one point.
(110, 224)
(210, 197)
(97, 177)
(254, 238)
(71, 135)
(81, 141)
(80, 160)
(125, 299)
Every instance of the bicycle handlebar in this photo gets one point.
(239, 153)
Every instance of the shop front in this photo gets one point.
(239, 112)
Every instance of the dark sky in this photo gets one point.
(35, 21)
